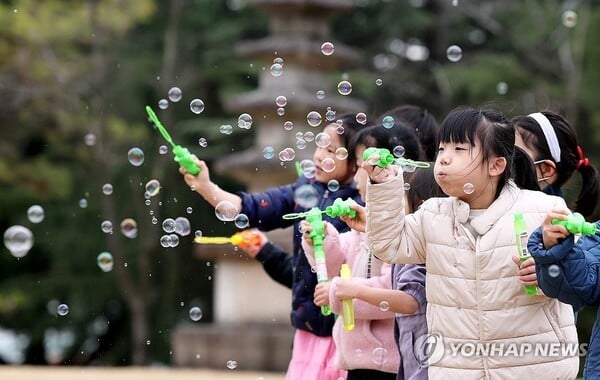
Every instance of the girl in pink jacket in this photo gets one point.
(370, 350)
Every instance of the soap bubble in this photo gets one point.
(232, 364)
(168, 225)
(468, 188)
(330, 114)
(83, 203)
(454, 53)
(341, 153)
(241, 221)
(245, 121)
(276, 69)
(197, 106)
(202, 142)
(129, 228)
(105, 261)
(309, 136)
(280, 111)
(308, 168)
(226, 211)
(281, 101)
(344, 87)
(163, 149)
(35, 214)
(333, 185)
(398, 151)
(135, 156)
(380, 356)
(553, 271)
(226, 129)
(328, 165)
(163, 104)
(384, 306)
(313, 118)
(378, 81)
(268, 152)
(388, 122)
(288, 154)
(327, 48)
(502, 88)
(288, 125)
(320, 94)
(195, 314)
(62, 309)
(152, 187)
(18, 240)
(182, 226)
(306, 196)
(165, 241)
(569, 18)
(90, 139)
(107, 189)
(301, 144)
(322, 140)
(106, 227)
(361, 118)
(174, 94)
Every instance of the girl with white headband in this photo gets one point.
(552, 144)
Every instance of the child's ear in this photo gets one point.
(547, 168)
(497, 166)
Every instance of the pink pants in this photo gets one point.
(312, 358)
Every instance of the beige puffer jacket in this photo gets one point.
(476, 305)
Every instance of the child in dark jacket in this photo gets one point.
(569, 271)
(313, 347)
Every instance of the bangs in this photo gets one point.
(460, 126)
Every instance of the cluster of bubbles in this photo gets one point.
(245, 121)
(18, 239)
(180, 226)
(277, 67)
(287, 154)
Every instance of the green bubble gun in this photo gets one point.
(182, 155)
(382, 158)
(576, 224)
(317, 234)
(340, 208)
(522, 236)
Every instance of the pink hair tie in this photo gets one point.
(583, 161)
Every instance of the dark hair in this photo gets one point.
(524, 171)
(490, 127)
(381, 137)
(534, 138)
(350, 129)
(422, 187)
(422, 122)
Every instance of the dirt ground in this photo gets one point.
(128, 373)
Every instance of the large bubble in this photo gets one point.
(344, 87)
(306, 196)
(226, 211)
(175, 94)
(313, 118)
(197, 106)
(182, 226)
(152, 187)
(135, 156)
(18, 240)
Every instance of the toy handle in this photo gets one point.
(185, 159)
(576, 224)
(347, 304)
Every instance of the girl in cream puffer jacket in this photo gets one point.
(481, 323)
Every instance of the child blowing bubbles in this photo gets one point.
(467, 241)
(313, 348)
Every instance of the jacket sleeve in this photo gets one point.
(411, 280)
(277, 263)
(264, 209)
(362, 309)
(393, 236)
(568, 271)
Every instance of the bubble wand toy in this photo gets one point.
(338, 208)
(317, 234)
(383, 158)
(182, 155)
(522, 236)
(242, 239)
(576, 224)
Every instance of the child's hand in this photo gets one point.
(322, 294)
(199, 180)
(345, 289)
(552, 233)
(306, 229)
(378, 174)
(253, 249)
(359, 222)
(527, 274)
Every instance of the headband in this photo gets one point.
(549, 134)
